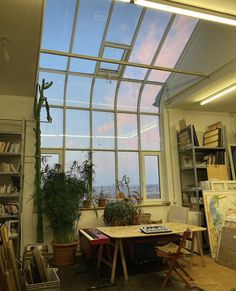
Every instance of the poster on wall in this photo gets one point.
(218, 207)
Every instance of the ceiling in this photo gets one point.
(20, 23)
(212, 52)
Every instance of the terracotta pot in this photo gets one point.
(87, 204)
(64, 254)
(102, 202)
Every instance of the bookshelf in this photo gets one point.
(12, 134)
(194, 163)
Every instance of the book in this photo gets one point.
(212, 144)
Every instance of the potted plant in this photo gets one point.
(120, 213)
(102, 199)
(62, 198)
(87, 174)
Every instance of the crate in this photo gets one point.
(144, 218)
(52, 285)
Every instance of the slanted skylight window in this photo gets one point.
(112, 53)
(108, 107)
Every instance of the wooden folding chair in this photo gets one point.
(171, 253)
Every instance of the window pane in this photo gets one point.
(128, 165)
(104, 94)
(78, 91)
(123, 23)
(50, 159)
(148, 97)
(112, 53)
(77, 129)
(48, 61)
(128, 96)
(150, 34)
(135, 73)
(55, 94)
(71, 156)
(103, 130)
(82, 66)
(90, 26)
(104, 173)
(150, 138)
(57, 33)
(152, 177)
(127, 131)
(173, 46)
(52, 133)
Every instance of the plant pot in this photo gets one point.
(102, 202)
(64, 254)
(87, 204)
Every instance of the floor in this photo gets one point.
(148, 277)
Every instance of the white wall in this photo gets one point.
(200, 120)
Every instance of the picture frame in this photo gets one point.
(232, 159)
(186, 161)
(13, 228)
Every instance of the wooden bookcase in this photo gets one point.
(11, 177)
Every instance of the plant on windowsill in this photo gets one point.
(62, 200)
(120, 213)
(87, 174)
(102, 199)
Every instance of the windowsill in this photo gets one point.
(149, 204)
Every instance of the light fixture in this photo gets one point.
(186, 10)
(219, 94)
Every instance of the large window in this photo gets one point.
(103, 106)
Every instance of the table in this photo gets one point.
(118, 233)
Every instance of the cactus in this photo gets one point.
(38, 103)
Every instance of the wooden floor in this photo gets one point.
(148, 277)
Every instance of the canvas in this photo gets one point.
(217, 205)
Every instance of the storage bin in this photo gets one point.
(52, 285)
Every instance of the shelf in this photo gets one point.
(10, 173)
(200, 148)
(192, 168)
(7, 133)
(10, 154)
(9, 195)
(9, 216)
(192, 189)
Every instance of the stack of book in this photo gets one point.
(213, 135)
(9, 147)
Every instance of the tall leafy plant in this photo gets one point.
(39, 103)
(62, 200)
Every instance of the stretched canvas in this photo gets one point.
(217, 205)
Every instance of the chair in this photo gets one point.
(171, 253)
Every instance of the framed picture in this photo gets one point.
(232, 159)
(186, 161)
(219, 206)
(13, 227)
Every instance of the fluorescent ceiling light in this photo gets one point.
(221, 93)
(186, 10)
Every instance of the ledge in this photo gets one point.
(155, 204)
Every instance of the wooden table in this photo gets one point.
(118, 233)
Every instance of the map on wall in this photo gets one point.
(218, 208)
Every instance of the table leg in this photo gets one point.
(114, 262)
(200, 248)
(100, 251)
(192, 248)
(122, 256)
